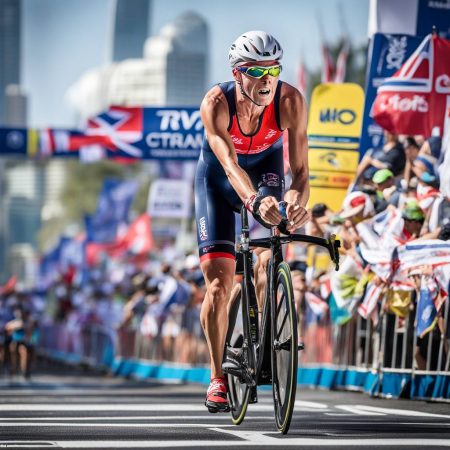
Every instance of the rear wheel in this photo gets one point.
(284, 349)
(238, 393)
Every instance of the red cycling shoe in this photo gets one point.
(216, 396)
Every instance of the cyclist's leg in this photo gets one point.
(219, 274)
(214, 199)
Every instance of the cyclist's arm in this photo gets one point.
(215, 117)
(293, 115)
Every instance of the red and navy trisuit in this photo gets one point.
(260, 154)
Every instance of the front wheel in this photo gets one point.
(238, 392)
(284, 348)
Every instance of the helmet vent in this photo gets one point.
(256, 50)
(246, 48)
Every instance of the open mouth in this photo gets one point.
(264, 92)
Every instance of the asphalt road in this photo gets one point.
(73, 409)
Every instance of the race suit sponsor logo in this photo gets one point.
(202, 229)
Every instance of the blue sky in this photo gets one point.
(64, 38)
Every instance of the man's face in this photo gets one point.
(385, 184)
(260, 90)
(413, 226)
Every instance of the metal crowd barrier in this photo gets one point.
(392, 349)
(393, 359)
(91, 344)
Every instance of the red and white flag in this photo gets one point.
(317, 304)
(416, 98)
(341, 65)
(328, 65)
(302, 78)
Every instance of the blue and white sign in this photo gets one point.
(387, 53)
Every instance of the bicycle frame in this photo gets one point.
(259, 340)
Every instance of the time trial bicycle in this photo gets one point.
(261, 352)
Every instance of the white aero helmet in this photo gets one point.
(254, 46)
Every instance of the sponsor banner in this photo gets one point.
(414, 17)
(335, 114)
(335, 119)
(124, 133)
(336, 180)
(333, 160)
(387, 53)
(170, 199)
(414, 99)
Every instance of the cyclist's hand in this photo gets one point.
(297, 216)
(268, 211)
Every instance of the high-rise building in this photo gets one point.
(16, 106)
(131, 28)
(10, 11)
(173, 72)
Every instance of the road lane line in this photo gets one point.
(108, 425)
(75, 418)
(120, 407)
(377, 411)
(273, 442)
(358, 411)
(314, 405)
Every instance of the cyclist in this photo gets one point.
(241, 162)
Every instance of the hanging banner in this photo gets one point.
(170, 199)
(387, 53)
(124, 133)
(415, 99)
(334, 127)
(413, 17)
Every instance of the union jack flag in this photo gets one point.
(118, 129)
(416, 99)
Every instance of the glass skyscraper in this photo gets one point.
(10, 22)
(130, 28)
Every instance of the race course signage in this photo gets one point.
(120, 133)
(334, 128)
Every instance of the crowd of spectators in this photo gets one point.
(149, 312)
(152, 310)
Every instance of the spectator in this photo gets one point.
(391, 156)
(427, 190)
(318, 257)
(432, 146)
(413, 218)
(24, 336)
(411, 152)
(424, 163)
(386, 190)
(320, 214)
(439, 219)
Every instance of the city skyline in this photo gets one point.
(77, 37)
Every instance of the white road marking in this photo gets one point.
(269, 442)
(109, 425)
(365, 410)
(360, 412)
(313, 405)
(182, 407)
(75, 418)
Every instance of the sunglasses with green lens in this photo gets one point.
(259, 72)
